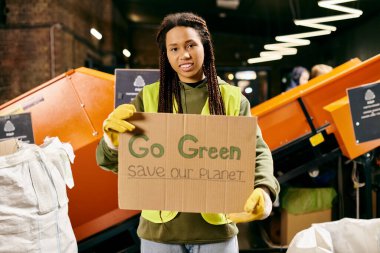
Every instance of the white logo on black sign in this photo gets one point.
(139, 83)
(9, 128)
(370, 96)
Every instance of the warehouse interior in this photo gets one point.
(58, 62)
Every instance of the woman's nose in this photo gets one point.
(185, 54)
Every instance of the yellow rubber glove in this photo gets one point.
(116, 123)
(257, 207)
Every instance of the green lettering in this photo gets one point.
(235, 150)
(158, 147)
(130, 146)
(201, 151)
(193, 152)
(223, 153)
(213, 152)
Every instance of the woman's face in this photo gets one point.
(185, 53)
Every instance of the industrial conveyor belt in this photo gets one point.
(300, 112)
(72, 107)
(291, 121)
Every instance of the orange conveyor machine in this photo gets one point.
(73, 106)
(304, 110)
(311, 115)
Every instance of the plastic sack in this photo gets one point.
(33, 199)
(307, 200)
(343, 236)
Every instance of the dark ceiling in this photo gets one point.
(264, 18)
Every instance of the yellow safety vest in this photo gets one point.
(231, 97)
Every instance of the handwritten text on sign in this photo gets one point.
(188, 163)
(188, 149)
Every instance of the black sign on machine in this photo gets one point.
(129, 82)
(17, 126)
(365, 111)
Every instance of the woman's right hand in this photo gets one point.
(116, 123)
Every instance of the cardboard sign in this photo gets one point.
(188, 163)
(17, 126)
(365, 111)
(129, 82)
(8, 147)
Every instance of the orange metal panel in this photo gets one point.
(341, 126)
(72, 107)
(280, 119)
(327, 91)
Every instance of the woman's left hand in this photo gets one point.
(257, 207)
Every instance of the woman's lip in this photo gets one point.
(186, 66)
(188, 63)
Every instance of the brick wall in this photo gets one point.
(33, 50)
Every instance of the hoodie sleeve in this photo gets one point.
(106, 157)
(264, 163)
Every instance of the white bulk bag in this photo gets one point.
(343, 236)
(33, 200)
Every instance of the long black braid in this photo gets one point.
(168, 77)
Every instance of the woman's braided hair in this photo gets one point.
(169, 78)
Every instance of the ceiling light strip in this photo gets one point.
(333, 5)
(264, 59)
(298, 38)
(277, 50)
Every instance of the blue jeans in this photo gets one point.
(230, 246)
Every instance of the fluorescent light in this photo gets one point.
(228, 4)
(248, 90)
(96, 34)
(311, 24)
(282, 48)
(298, 39)
(126, 53)
(264, 59)
(270, 54)
(246, 75)
(330, 18)
(332, 4)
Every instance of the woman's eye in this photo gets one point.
(173, 49)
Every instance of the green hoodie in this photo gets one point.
(191, 228)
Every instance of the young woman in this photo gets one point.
(189, 84)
